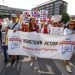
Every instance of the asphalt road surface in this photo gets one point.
(39, 67)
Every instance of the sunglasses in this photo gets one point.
(71, 24)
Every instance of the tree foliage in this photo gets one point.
(65, 17)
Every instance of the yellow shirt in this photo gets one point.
(17, 20)
(6, 39)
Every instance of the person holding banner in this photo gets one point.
(33, 27)
(70, 29)
(15, 26)
(45, 29)
(25, 27)
(5, 44)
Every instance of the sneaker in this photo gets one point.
(70, 64)
(68, 68)
(31, 64)
(35, 68)
(8, 65)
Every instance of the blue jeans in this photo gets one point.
(5, 53)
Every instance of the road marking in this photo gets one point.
(43, 72)
(50, 69)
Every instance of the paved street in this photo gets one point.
(40, 67)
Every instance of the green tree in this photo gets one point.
(65, 17)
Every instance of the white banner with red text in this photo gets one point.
(41, 45)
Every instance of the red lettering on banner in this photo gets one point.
(44, 49)
(68, 42)
(15, 39)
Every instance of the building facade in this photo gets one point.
(54, 7)
(7, 11)
(72, 17)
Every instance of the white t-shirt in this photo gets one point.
(17, 27)
(49, 28)
(57, 30)
(67, 31)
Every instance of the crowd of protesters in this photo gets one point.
(33, 26)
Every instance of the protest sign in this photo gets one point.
(26, 16)
(43, 15)
(56, 18)
(57, 30)
(36, 14)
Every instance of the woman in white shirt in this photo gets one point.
(70, 29)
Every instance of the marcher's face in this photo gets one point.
(71, 25)
(6, 29)
(23, 25)
(42, 24)
(14, 19)
(36, 22)
(33, 22)
(56, 25)
(45, 26)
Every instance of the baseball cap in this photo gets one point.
(13, 15)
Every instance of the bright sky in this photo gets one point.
(28, 4)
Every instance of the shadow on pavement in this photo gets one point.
(12, 69)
